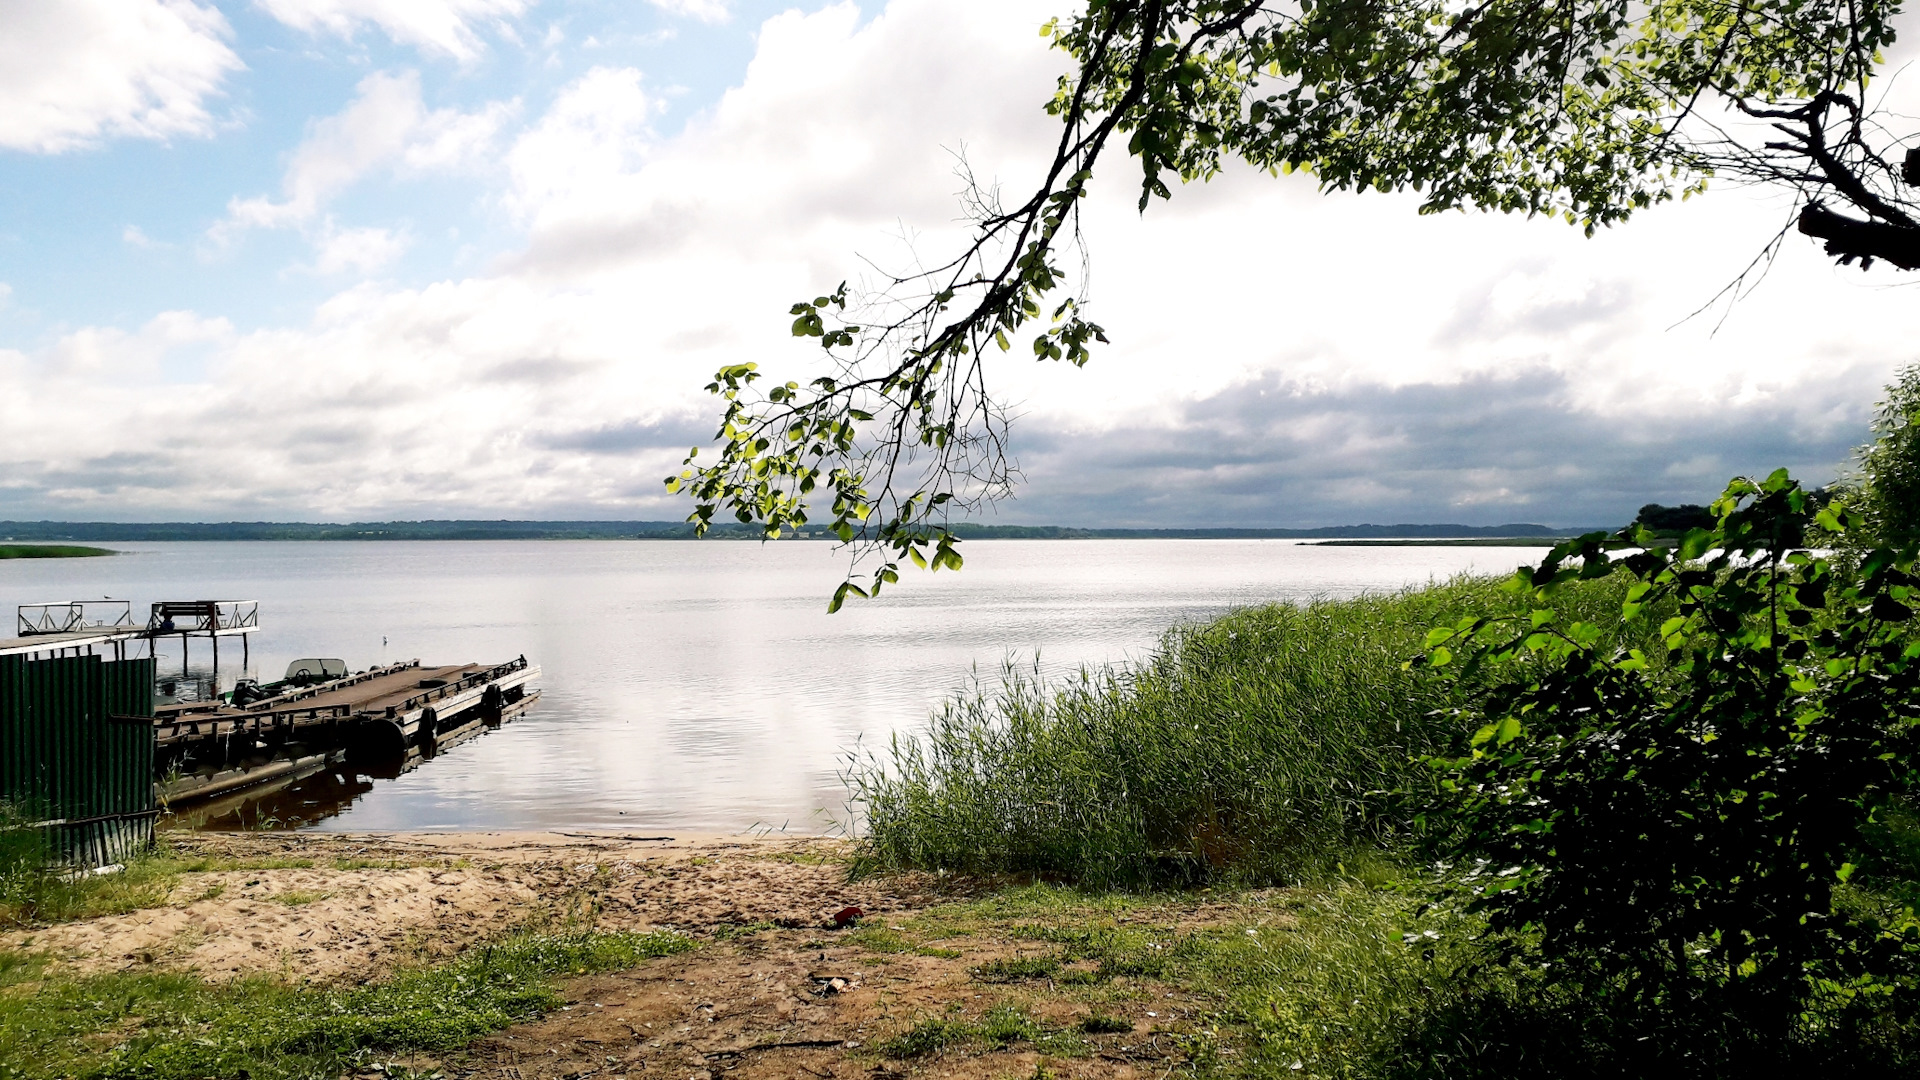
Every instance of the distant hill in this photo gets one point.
(680, 530)
(359, 530)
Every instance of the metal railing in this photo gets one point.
(75, 616)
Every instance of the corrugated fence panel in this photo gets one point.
(76, 751)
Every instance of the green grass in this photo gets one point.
(1016, 969)
(1357, 976)
(1003, 1025)
(169, 1026)
(1260, 747)
(51, 551)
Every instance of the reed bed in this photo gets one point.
(1257, 748)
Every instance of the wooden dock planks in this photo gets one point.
(387, 712)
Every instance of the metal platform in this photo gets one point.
(89, 627)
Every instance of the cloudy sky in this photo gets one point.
(364, 259)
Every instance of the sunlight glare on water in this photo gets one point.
(702, 685)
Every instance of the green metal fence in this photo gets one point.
(76, 752)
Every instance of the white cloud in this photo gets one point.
(95, 351)
(587, 146)
(364, 249)
(386, 126)
(704, 10)
(76, 72)
(1277, 352)
(443, 26)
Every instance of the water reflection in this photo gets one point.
(288, 802)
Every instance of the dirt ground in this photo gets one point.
(424, 895)
(774, 990)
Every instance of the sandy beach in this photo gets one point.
(775, 987)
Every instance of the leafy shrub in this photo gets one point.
(1673, 840)
(1885, 486)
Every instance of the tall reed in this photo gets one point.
(1254, 747)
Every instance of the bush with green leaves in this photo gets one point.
(1671, 831)
(1886, 479)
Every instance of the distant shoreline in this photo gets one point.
(123, 532)
(1484, 541)
(51, 551)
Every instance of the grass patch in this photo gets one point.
(1260, 748)
(880, 940)
(1354, 977)
(299, 897)
(52, 551)
(32, 890)
(928, 1036)
(36, 889)
(804, 858)
(1002, 1026)
(177, 1027)
(1102, 1024)
(1016, 969)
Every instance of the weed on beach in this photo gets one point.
(1263, 747)
(174, 1026)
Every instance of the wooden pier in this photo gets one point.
(380, 719)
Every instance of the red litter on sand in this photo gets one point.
(847, 916)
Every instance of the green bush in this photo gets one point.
(1673, 842)
(1885, 485)
(1255, 747)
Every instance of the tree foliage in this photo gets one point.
(1588, 110)
(1885, 486)
(1674, 834)
(1672, 520)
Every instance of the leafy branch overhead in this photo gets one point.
(1586, 110)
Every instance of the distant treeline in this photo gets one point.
(359, 530)
(680, 530)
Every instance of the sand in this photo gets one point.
(432, 894)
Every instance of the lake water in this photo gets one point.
(702, 685)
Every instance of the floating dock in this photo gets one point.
(379, 718)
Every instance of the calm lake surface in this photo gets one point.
(701, 685)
